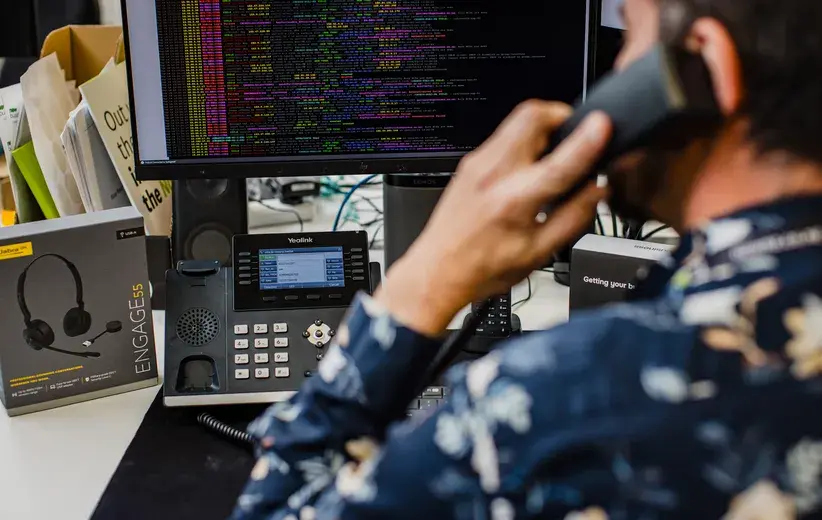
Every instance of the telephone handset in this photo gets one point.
(662, 100)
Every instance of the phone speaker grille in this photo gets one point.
(198, 327)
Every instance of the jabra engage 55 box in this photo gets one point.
(605, 269)
(76, 310)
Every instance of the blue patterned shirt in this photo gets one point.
(701, 401)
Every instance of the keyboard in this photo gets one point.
(430, 399)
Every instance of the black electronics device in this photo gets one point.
(497, 318)
(252, 333)
(409, 200)
(207, 213)
(663, 99)
(313, 102)
(39, 335)
(660, 100)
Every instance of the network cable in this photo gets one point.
(347, 197)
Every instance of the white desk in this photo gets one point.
(57, 463)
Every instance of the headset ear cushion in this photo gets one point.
(39, 333)
(76, 322)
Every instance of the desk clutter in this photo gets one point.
(66, 134)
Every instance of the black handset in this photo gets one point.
(662, 100)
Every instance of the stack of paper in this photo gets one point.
(48, 102)
(108, 94)
(97, 180)
(14, 133)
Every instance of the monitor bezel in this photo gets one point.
(310, 167)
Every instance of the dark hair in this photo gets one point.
(780, 46)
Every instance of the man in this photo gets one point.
(702, 402)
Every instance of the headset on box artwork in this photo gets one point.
(77, 321)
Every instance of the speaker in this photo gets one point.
(207, 214)
(158, 250)
(409, 200)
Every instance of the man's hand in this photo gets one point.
(486, 235)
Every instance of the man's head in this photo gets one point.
(765, 58)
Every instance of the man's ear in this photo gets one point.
(713, 41)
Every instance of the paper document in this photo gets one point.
(49, 100)
(13, 128)
(107, 99)
(26, 159)
(97, 180)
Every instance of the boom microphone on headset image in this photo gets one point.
(77, 321)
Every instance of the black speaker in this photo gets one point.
(409, 201)
(207, 214)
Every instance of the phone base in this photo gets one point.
(485, 344)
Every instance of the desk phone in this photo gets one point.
(252, 333)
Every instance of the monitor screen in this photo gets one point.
(608, 38)
(308, 268)
(224, 88)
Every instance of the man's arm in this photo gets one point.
(483, 454)
(365, 382)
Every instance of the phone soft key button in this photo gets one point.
(282, 372)
(241, 373)
(240, 359)
(281, 342)
(262, 373)
(261, 357)
(261, 343)
(240, 344)
(281, 357)
(280, 328)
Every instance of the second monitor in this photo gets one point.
(233, 88)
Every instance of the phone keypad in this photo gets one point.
(267, 335)
(497, 321)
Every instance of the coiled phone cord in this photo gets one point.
(449, 352)
(223, 429)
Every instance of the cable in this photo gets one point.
(348, 197)
(599, 223)
(370, 203)
(374, 238)
(221, 428)
(282, 210)
(452, 347)
(654, 232)
(527, 298)
(614, 223)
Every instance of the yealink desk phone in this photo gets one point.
(252, 333)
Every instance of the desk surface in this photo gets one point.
(57, 463)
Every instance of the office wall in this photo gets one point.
(110, 12)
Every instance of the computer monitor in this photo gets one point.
(266, 88)
(608, 38)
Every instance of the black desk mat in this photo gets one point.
(175, 468)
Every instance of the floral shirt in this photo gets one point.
(701, 401)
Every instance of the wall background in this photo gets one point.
(110, 12)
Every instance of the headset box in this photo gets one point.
(76, 322)
(605, 269)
